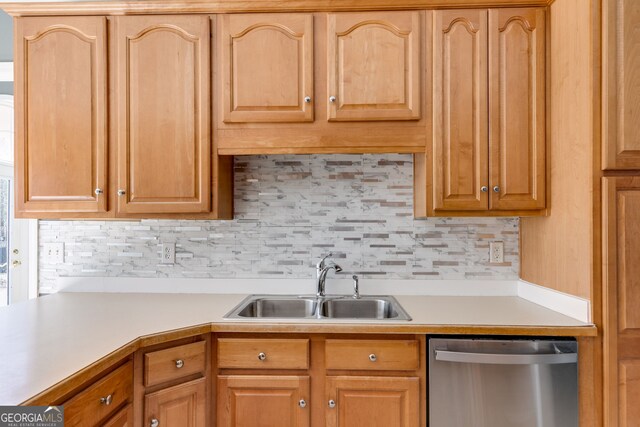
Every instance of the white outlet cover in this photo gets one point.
(168, 253)
(496, 252)
(54, 253)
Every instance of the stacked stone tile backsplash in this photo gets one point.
(290, 209)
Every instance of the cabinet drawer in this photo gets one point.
(173, 363)
(263, 353)
(101, 399)
(372, 355)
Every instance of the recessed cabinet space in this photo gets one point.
(61, 115)
(164, 140)
(373, 63)
(621, 85)
(268, 71)
(487, 154)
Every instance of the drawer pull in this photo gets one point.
(106, 400)
(154, 423)
(179, 363)
(373, 357)
(332, 403)
(302, 403)
(262, 356)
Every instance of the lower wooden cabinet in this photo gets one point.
(354, 401)
(262, 400)
(124, 418)
(183, 405)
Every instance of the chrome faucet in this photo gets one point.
(322, 268)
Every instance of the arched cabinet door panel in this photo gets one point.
(163, 114)
(61, 113)
(517, 108)
(460, 110)
(374, 66)
(267, 67)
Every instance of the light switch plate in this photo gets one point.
(54, 253)
(496, 252)
(168, 253)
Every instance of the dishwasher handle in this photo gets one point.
(506, 359)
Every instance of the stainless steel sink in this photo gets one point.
(311, 307)
(278, 307)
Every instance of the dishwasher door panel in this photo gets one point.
(502, 383)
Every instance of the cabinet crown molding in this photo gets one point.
(245, 6)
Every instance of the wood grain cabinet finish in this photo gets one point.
(621, 84)
(174, 363)
(374, 66)
(372, 355)
(355, 401)
(460, 110)
(263, 353)
(517, 109)
(163, 94)
(260, 400)
(621, 277)
(183, 405)
(124, 418)
(101, 399)
(488, 152)
(61, 113)
(268, 67)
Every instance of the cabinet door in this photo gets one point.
(517, 109)
(263, 401)
(182, 405)
(621, 333)
(373, 402)
(621, 88)
(163, 114)
(374, 66)
(61, 110)
(124, 418)
(268, 67)
(460, 110)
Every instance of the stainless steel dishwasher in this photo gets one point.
(503, 383)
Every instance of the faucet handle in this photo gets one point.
(356, 287)
(320, 264)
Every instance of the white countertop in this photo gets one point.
(46, 340)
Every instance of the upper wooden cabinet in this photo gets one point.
(373, 61)
(517, 172)
(164, 139)
(621, 84)
(268, 72)
(460, 110)
(61, 114)
(488, 138)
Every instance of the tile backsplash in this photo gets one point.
(290, 209)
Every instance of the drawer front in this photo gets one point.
(173, 363)
(372, 355)
(263, 353)
(100, 400)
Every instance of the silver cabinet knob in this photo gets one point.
(373, 357)
(332, 403)
(154, 423)
(98, 191)
(262, 356)
(121, 192)
(496, 189)
(332, 99)
(307, 99)
(179, 363)
(302, 403)
(106, 400)
(484, 188)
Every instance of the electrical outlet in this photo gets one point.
(496, 252)
(54, 253)
(168, 253)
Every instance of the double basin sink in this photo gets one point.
(311, 307)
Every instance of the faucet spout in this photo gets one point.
(322, 269)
